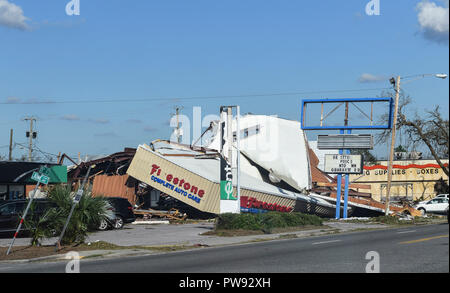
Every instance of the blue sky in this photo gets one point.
(153, 55)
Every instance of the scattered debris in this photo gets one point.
(153, 222)
(172, 214)
(200, 245)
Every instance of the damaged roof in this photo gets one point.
(114, 164)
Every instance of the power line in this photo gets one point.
(155, 99)
(46, 154)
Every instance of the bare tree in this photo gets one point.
(430, 129)
(369, 158)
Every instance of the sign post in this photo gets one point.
(40, 179)
(347, 179)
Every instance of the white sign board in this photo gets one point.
(343, 164)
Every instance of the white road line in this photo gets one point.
(323, 242)
(409, 231)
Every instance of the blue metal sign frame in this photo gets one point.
(342, 129)
(350, 100)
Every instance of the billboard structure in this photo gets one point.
(368, 110)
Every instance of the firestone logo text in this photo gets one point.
(178, 185)
(251, 202)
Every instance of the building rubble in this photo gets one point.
(278, 172)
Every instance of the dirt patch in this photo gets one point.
(29, 252)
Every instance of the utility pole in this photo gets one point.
(31, 135)
(10, 145)
(178, 109)
(391, 154)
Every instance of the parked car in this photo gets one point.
(437, 205)
(11, 212)
(444, 195)
(122, 214)
(448, 222)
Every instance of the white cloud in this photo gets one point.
(13, 100)
(31, 101)
(367, 77)
(434, 20)
(12, 16)
(70, 117)
(99, 121)
(150, 129)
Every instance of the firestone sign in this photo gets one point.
(252, 205)
(176, 184)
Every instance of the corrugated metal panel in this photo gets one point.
(141, 169)
(113, 186)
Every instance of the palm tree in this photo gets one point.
(86, 217)
(39, 227)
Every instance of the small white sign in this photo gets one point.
(343, 164)
(78, 196)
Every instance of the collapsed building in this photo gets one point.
(107, 175)
(275, 171)
(278, 172)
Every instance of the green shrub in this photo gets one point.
(86, 216)
(265, 221)
(38, 227)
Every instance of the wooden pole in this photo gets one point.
(10, 145)
(391, 154)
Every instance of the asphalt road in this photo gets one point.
(414, 249)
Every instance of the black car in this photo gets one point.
(123, 212)
(12, 211)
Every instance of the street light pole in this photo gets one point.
(391, 153)
(394, 128)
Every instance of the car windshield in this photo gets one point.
(438, 200)
(8, 209)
